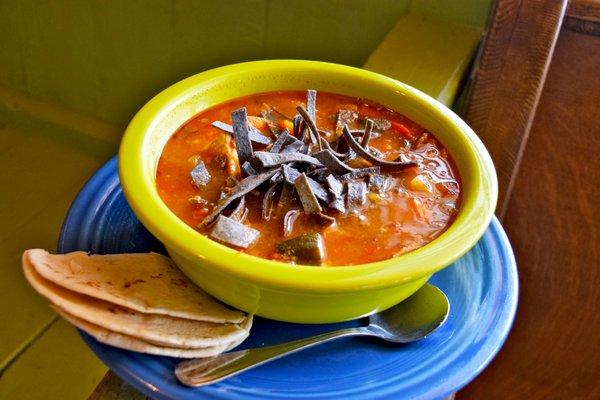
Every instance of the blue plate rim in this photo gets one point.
(88, 195)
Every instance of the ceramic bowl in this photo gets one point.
(296, 293)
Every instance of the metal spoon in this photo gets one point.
(411, 320)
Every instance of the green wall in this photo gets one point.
(106, 58)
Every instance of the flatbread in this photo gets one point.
(144, 282)
(134, 344)
(162, 330)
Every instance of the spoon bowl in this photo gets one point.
(413, 319)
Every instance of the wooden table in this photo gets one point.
(552, 222)
(552, 215)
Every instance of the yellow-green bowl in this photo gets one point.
(274, 289)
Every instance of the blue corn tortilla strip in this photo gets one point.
(339, 203)
(307, 196)
(247, 185)
(282, 140)
(291, 174)
(318, 190)
(200, 175)
(359, 173)
(336, 188)
(376, 152)
(309, 122)
(349, 153)
(293, 147)
(267, 159)
(241, 135)
(292, 168)
(333, 164)
(229, 231)
(240, 212)
(379, 183)
(329, 147)
(356, 194)
(351, 156)
(223, 126)
(364, 141)
(362, 152)
(311, 103)
(278, 177)
(248, 168)
(254, 134)
(287, 194)
(257, 137)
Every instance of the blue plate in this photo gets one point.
(481, 286)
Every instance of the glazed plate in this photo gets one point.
(481, 286)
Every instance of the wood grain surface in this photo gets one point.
(583, 16)
(553, 223)
(113, 388)
(588, 10)
(508, 80)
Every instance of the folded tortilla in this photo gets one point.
(162, 330)
(134, 344)
(144, 282)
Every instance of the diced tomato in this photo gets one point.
(403, 130)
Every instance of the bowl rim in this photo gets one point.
(139, 189)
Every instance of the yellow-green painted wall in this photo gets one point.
(105, 58)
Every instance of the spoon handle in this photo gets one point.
(204, 371)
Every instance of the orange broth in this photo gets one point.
(419, 207)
